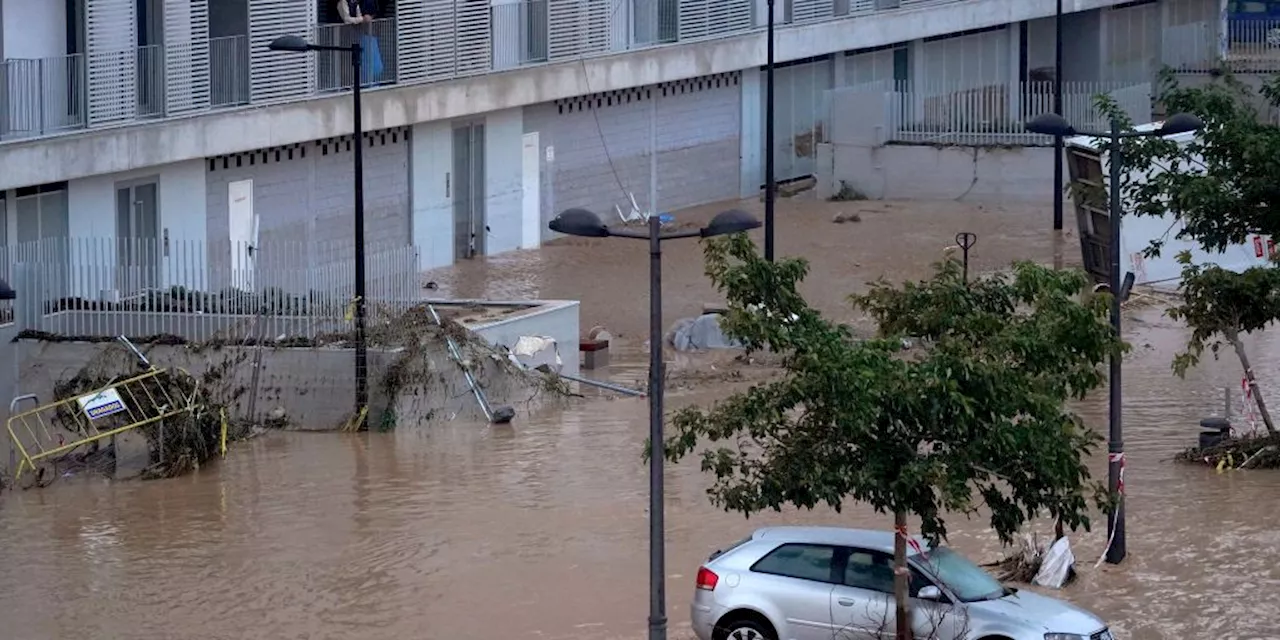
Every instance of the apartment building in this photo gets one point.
(171, 120)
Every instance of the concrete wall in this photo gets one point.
(858, 156)
(997, 174)
(123, 149)
(556, 319)
(314, 386)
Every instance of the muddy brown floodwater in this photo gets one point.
(538, 530)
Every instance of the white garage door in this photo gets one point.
(598, 149)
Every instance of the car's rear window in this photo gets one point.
(720, 552)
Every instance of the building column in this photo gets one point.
(1014, 75)
(430, 192)
(751, 138)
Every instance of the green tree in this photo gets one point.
(974, 417)
(1219, 305)
(1224, 188)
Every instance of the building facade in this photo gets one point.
(170, 121)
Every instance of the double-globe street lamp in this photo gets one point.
(297, 44)
(580, 222)
(1053, 124)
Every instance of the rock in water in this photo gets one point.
(503, 415)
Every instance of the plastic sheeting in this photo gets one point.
(1056, 567)
(535, 351)
(703, 332)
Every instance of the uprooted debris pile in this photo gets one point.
(1247, 452)
(424, 381)
(193, 408)
(1032, 563)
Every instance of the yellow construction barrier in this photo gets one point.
(59, 427)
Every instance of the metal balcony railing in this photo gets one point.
(519, 33)
(41, 96)
(429, 40)
(228, 71)
(377, 64)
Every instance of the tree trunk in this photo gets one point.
(902, 612)
(1234, 339)
(1058, 531)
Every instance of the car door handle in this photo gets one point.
(845, 602)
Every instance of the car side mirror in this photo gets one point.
(930, 593)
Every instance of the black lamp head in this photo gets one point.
(289, 43)
(1050, 124)
(1180, 123)
(6, 291)
(731, 221)
(579, 222)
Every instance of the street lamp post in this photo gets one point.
(580, 222)
(1057, 108)
(770, 180)
(1055, 125)
(299, 45)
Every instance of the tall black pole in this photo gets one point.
(1115, 443)
(657, 543)
(770, 181)
(1057, 108)
(362, 355)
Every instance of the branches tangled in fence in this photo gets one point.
(1249, 452)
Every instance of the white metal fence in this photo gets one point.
(1246, 46)
(994, 113)
(199, 290)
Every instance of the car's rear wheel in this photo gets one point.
(745, 626)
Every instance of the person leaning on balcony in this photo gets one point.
(352, 12)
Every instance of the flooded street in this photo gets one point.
(539, 529)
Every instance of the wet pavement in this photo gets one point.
(538, 529)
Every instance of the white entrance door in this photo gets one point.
(243, 232)
(531, 201)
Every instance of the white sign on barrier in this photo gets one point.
(101, 404)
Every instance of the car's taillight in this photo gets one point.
(707, 579)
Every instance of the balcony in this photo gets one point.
(378, 62)
(437, 41)
(41, 96)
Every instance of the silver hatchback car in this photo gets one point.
(825, 583)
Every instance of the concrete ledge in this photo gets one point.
(131, 147)
(556, 319)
